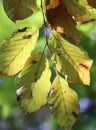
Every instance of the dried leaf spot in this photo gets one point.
(22, 30)
(27, 36)
(34, 61)
(2, 73)
(84, 66)
(74, 114)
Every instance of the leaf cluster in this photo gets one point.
(70, 62)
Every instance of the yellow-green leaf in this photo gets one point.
(63, 103)
(19, 9)
(70, 59)
(35, 84)
(15, 50)
(34, 67)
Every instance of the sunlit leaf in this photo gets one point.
(63, 103)
(32, 93)
(70, 60)
(19, 9)
(15, 50)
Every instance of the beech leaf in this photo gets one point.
(32, 70)
(70, 59)
(32, 93)
(92, 3)
(64, 24)
(63, 103)
(19, 9)
(15, 50)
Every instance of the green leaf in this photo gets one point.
(19, 9)
(15, 50)
(63, 103)
(70, 59)
(33, 83)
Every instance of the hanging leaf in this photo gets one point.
(63, 15)
(71, 60)
(50, 4)
(63, 103)
(35, 84)
(19, 9)
(74, 8)
(80, 12)
(64, 24)
(15, 50)
(32, 70)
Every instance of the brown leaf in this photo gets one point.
(80, 12)
(59, 19)
(92, 3)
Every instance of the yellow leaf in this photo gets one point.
(33, 83)
(15, 50)
(34, 67)
(71, 60)
(63, 103)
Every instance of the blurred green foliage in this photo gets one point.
(11, 117)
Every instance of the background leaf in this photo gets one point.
(63, 103)
(15, 50)
(19, 9)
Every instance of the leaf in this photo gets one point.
(15, 50)
(74, 8)
(92, 3)
(63, 15)
(32, 70)
(63, 103)
(32, 94)
(50, 4)
(19, 9)
(64, 24)
(70, 60)
(80, 12)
